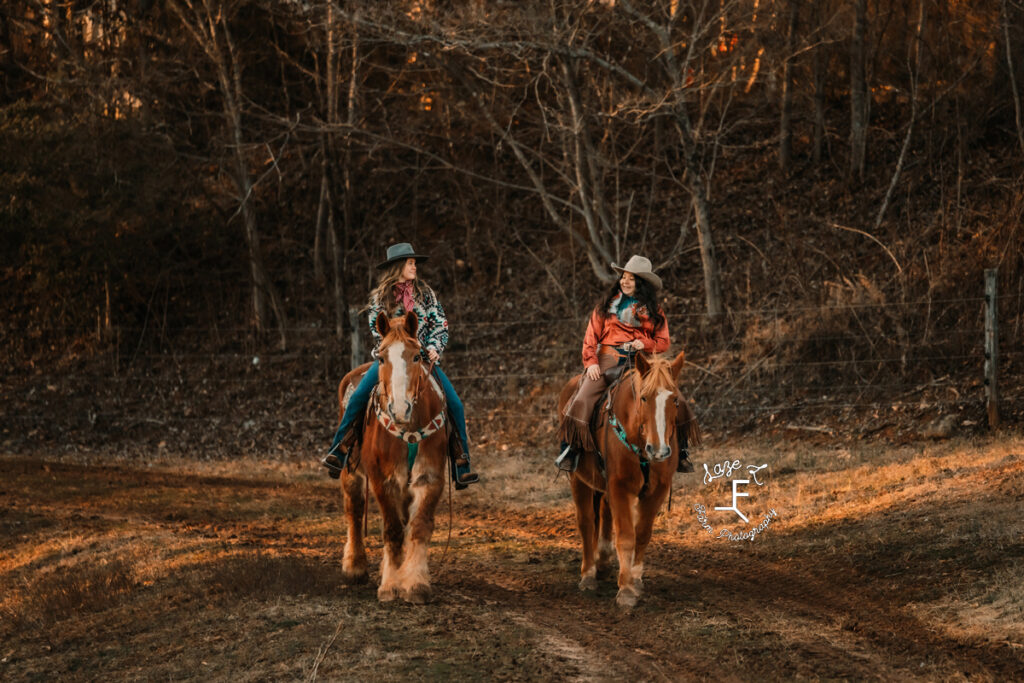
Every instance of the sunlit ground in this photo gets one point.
(883, 562)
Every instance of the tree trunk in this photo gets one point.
(1013, 77)
(592, 198)
(218, 46)
(858, 93)
(709, 263)
(348, 208)
(321, 217)
(820, 63)
(915, 69)
(695, 177)
(597, 254)
(786, 116)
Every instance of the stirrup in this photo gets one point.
(334, 464)
(568, 459)
(462, 479)
(465, 479)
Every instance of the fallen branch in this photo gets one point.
(811, 428)
(871, 237)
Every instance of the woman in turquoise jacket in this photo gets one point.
(399, 291)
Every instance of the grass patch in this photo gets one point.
(68, 591)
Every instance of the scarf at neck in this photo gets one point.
(627, 309)
(403, 295)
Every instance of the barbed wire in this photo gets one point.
(258, 378)
(250, 422)
(328, 328)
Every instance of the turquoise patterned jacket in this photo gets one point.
(432, 327)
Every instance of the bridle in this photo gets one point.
(620, 430)
(387, 419)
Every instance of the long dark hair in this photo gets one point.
(644, 293)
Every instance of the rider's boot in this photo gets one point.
(463, 476)
(684, 464)
(568, 457)
(337, 457)
(460, 466)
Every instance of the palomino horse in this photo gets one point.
(403, 455)
(636, 432)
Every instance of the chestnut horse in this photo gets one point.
(403, 455)
(636, 432)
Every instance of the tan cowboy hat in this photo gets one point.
(640, 267)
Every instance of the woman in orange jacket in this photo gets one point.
(625, 321)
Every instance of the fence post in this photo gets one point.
(991, 347)
(357, 339)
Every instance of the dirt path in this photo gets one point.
(231, 571)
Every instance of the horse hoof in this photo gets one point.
(627, 598)
(588, 583)
(419, 594)
(639, 583)
(354, 577)
(387, 594)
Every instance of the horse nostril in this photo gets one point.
(649, 449)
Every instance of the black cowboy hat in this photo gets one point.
(400, 252)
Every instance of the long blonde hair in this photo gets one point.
(390, 277)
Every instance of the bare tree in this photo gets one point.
(914, 67)
(206, 22)
(1013, 76)
(786, 115)
(676, 57)
(858, 91)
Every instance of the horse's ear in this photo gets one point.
(677, 365)
(383, 325)
(643, 363)
(411, 323)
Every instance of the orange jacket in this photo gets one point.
(608, 330)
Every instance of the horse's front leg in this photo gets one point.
(353, 562)
(425, 490)
(605, 549)
(622, 502)
(583, 497)
(647, 511)
(389, 497)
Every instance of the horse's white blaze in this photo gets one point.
(399, 381)
(659, 412)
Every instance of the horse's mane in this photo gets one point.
(658, 377)
(397, 332)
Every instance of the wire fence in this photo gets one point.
(775, 362)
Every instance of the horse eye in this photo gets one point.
(644, 399)
(416, 358)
